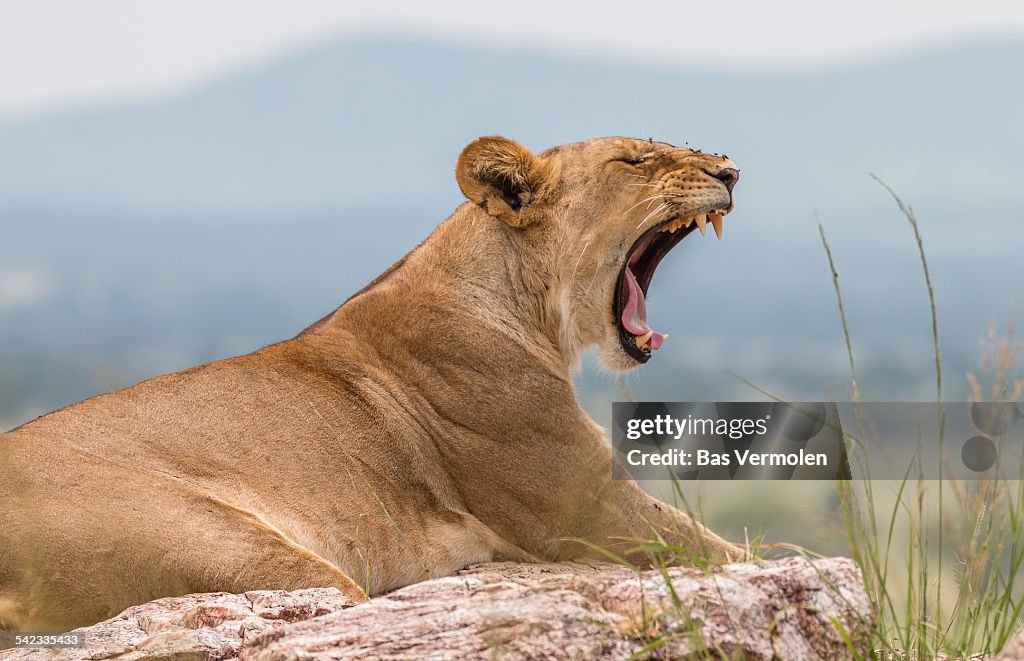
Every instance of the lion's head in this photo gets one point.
(596, 218)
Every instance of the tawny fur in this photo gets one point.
(428, 423)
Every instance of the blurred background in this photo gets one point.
(185, 181)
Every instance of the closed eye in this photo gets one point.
(634, 160)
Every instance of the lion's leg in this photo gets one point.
(257, 556)
(12, 614)
(181, 543)
(627, 515)
(247, 558)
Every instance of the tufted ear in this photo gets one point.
(503, 177)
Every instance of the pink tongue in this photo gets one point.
(634, 312)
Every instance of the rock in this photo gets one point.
(759, 610)
(1014, 650)
(197, 626)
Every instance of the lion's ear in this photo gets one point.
(503, 177)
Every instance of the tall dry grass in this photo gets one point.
(942, 560)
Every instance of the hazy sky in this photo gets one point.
(64, 53)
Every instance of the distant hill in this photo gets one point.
(326, 129)
(210, 223)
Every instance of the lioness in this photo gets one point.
(428, 423)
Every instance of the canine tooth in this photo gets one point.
(716, 222)
(702, 223)
(642, 340)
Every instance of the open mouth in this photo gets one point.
(630, 306)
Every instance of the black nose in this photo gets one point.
(728, 176)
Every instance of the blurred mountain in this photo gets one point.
(143, 238)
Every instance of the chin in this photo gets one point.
(614, 359)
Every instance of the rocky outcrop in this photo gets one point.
(1014, 650)
(215, 625)
(760, 610)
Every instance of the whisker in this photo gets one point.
(592, 281)
(652, 197)
(573, 276)
(661, 206)
(646, 181)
